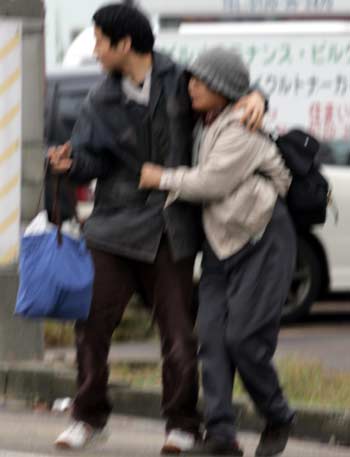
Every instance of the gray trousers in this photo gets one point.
(240, 303)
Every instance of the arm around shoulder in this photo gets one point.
(232, 158)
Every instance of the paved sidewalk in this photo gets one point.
(324, 337)
(147, 351)
(24, 434)
(293, 343)
(319, 340)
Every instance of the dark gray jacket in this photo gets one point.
(113, 137)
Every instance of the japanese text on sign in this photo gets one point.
(307, 78)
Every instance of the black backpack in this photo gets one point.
(309, 193)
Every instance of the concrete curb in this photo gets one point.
(33, 382)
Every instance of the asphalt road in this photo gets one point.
(25, 434)
(324, 336)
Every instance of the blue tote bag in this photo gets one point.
(56, 272)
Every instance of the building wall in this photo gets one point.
(31, 12)
(21, 8)
(28, 341)
(63, 18)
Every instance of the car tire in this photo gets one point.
(306, 284)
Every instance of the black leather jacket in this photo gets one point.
(113, 137)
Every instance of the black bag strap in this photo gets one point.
(56, 204)
(56, 208)
(42, 189)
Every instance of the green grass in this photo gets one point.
(304, 382)
(309, 383)
(57, 334)
(137, 375)
(135, 326)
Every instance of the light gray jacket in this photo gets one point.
(238, 178)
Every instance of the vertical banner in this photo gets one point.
(10, 140)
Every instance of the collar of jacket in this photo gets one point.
(210, 116)
(162, 63)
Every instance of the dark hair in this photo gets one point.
(118, 21)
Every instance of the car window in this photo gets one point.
(335, 153)
(67, 110)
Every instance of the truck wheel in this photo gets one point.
(306, 284)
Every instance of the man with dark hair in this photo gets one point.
(141, 112)
(136, 26)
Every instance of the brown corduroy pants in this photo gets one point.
(166, 287)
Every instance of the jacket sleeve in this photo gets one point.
(236, 155)
(89, 161)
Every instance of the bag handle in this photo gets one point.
(56, 211)
(42, 189)
(56, 208)
(56, 205)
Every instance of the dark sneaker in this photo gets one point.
(215, 447)
(273, 440)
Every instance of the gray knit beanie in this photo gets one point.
(223, 71)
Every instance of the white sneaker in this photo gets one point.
(80, 435)
(177, 441)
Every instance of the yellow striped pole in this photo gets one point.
(10, 140)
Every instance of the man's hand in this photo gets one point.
(253, 105)
(150, 176)
(59, 157)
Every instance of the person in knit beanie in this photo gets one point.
(249, 253)
(223, 71)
